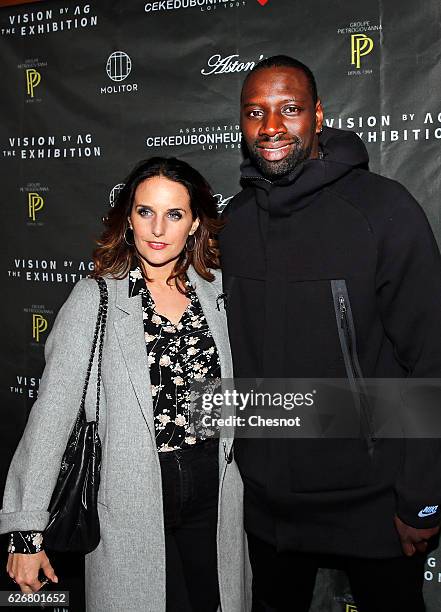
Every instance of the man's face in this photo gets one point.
(279, 120)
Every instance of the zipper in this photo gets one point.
(257, 178)
(349, 350)
(346, 329)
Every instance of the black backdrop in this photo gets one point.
(88, 89)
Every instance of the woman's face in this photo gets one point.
(161, 220)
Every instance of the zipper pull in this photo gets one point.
(344, 324)
(342, 307)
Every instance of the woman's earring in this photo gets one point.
(125, 236)
(190, 243)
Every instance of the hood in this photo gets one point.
(342, 152)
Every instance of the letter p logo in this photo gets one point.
(35, 203)
(39, 325)
(360, 45)
(33, 78)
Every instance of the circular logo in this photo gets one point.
(118, 66)
(114, 192)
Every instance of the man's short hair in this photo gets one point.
(277, 61)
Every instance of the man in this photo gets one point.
(330, 271)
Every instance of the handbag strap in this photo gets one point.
(98, 339)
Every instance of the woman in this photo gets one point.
(170, 502)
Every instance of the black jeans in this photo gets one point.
(190, 484)
(284, 581)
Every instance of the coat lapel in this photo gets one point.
(216, 319)
(208, 295)
(129, 329)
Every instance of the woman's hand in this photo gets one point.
(24, 568)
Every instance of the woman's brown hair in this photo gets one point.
(116, 255)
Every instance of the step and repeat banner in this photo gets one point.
(90, 88)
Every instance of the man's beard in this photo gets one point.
(276, 169)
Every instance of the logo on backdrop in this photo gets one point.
(262, 2)
(35, 204)
(217, 64)
(221, 202)
(205, 6)
(44, 271)
(361, 45)
(118, 67)
(401, 126)
(203, 137)
(33, 78)
(362, 41)
(432, 573)
(51, 147)
(39, 326)
(114, 193)
(25, 385)
(39, 317)
(34, 200)
(38, 21)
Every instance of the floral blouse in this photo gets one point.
(178, 355)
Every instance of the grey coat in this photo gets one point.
(127, 570)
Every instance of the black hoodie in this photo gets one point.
(293, 251)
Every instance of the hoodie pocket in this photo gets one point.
(346, 463)
(348, 343)
(328, 465)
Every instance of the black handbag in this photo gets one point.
(74, 523)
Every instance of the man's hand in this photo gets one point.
(413, 539)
